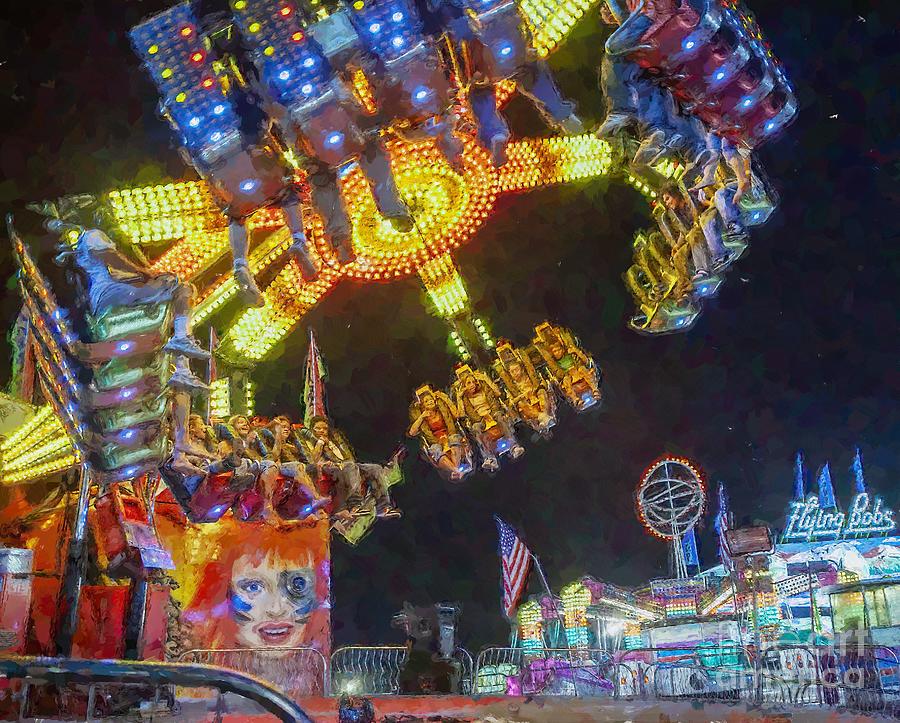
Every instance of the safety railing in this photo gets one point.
(864, 679)
(297, 671)
(363, 670)
(376, 670)
(544, 671)
(467, 671)
(89, 690)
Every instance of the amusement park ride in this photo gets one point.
(349, 143)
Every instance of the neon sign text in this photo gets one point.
(808, 521)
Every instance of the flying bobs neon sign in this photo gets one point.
(808, 521)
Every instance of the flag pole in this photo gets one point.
(540, 570)
(560, 618)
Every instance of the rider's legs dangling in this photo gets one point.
(493, 132)
(293, 217)
(240, 247)
(325, 191)
(376, 164)
(535, 80)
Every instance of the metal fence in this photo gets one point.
(865, 679)
(297, 671)
(376, 670)
(362, 670)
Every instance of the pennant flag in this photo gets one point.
(314, 383)
(722, 524)
(799, 487)
(859, 479)
(826, 489)
(515, 561)
(689, 547)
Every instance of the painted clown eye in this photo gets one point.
(252, 586)
(297, 584)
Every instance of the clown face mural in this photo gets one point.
(271, 600)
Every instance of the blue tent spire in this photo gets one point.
(859, 479)
(799, 491)
(689, 545)
(722, 523)
(826, 489)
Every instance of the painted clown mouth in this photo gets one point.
(275, 633)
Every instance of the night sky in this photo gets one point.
(798, 351)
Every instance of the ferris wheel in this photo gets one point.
(670, 499)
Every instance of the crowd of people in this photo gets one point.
(267, 454)
(309, 106)
(683, 80)
(665, 102)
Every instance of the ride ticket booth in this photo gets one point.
(872, 606)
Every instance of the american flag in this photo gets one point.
(515, 559)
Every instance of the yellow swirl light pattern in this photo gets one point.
(551, 21)
(448, 209)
